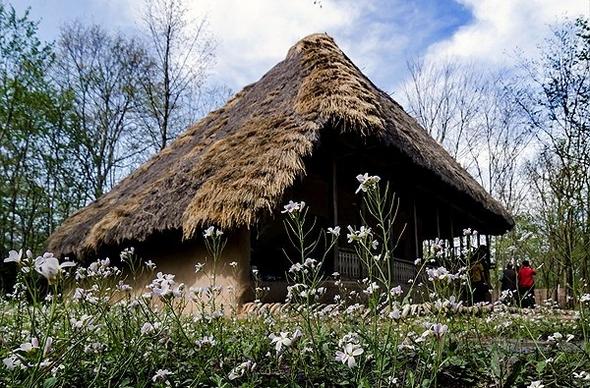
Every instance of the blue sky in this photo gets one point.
(380, 36)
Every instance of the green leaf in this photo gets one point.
(49, 382)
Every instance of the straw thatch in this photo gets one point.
(235, 163)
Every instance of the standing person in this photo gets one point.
(508, 283)
(478, 281)
(526, 284)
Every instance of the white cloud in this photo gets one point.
(502, 26)
(378, 35)
(254, 35)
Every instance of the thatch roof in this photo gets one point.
(235, 163)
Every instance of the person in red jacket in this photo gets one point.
(526, 284)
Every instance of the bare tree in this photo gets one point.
(498, 151)
(445, 98)
(471, 115)
(103, 74)
(182, 51)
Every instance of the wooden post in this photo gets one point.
(416, 230)
(452, 235)
(335, 207)
(438, 222)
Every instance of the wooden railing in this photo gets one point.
(403, 271)
(349, 266)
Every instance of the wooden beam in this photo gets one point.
(334, 192)
(416, 229)
(452, 235)
(335, 207)
(438, 222)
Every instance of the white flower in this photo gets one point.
(164, 286)
(358, 235)
(282, 340)
(161, 375)
(396, 291)
(233, 264)
(439, 330)
(150, 264)
(48, 266)
(127, 254)
(583, 375)
(536, 384)
(293, 207)
(81, 294)
(209, 232)
(348, 354)
(47, 347)
(212, 232)
(239, 370)
(28, 347)
(366, 182)
(335, 231)
(556, 337)
(417, 261)
(12, 362)
(395, 314)
(206, 340)
(585, 298)
(148, 327)
(84, 321)
(14, 257)
(124, 287)
(371, 288)
(199, 267)
(296, 268)
(440, 273)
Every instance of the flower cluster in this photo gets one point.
(367, 183)
(351, 349)
(284, 340)
(18, 357)
(293, 207)
(17, 258)
(302, 290)
(164, 286)
(358, 235)
(241, 369)
(212, 231)
(99, 269)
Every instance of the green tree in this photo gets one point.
(556, 103)
(37, 189)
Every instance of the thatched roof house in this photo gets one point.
(236, 166)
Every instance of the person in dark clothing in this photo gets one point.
(509, 283)
(477, 275)
(526, 285)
